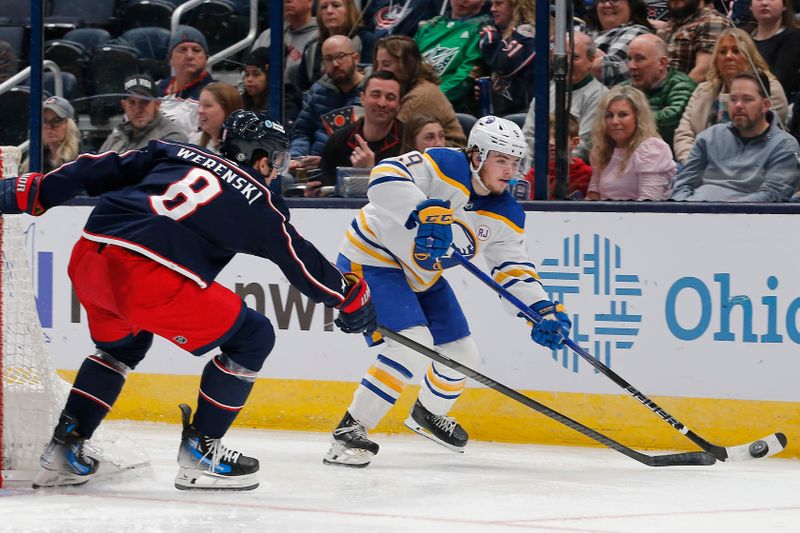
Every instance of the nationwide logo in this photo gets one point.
(594, 266)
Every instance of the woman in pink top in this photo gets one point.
(629, 159)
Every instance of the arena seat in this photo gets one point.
(14, 116)
(152, 45)
(110, 64)
(467, 121)
(15, 12)
(15, 36)
(69, 84)
(517, 118)
(146, 13)
(81, 13)
(217, 21)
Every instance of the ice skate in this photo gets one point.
(64, 461)
(350, 445)
(440, 429)
(205, 464)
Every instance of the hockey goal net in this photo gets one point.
(32, 394)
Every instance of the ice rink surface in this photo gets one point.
(415, 485)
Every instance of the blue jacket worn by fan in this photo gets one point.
(192, 211)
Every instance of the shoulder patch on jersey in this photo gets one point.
(451, 166)
(503, 207)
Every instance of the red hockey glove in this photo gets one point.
(356, 312)
(21, 195)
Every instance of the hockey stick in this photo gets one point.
(769, 445)
(675, 459)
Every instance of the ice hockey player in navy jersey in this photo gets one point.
(169, 218)
(419, 205)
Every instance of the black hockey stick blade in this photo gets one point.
(675, 459)
(765, 447)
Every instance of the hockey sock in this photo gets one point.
(442, 385)
(224, 389)
(96, 388)
(384, 380)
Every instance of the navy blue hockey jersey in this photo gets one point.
(192, 211)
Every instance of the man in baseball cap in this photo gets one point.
(145, 121)
(188, 57)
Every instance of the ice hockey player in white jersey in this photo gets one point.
(420, 204)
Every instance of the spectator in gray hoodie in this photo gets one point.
(299, 29)
(145, 121)
(749, 159)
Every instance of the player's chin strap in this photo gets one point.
(480, 188)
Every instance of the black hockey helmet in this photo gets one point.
(248, 135)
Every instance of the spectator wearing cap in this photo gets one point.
(188, 57)
(60, 135)
(143, 118)
(255, 95)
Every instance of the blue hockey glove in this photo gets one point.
(356, 312)
(435, 233)
(554, 326)
(21, 194)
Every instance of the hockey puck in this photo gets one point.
(759, 449)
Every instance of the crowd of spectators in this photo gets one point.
(692, 105)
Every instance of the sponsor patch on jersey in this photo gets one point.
(180, 339)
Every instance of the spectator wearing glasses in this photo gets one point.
(143, 120)
(335, 17)
(61, 137)
(339, 88)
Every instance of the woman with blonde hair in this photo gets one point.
(217, 101)
(400, 55)
(734, 52)
(629, 160)
(61, 137)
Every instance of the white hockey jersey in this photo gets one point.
(492, 225)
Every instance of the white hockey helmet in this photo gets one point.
(498, 134)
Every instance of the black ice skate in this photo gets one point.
(350, 445)
(442, 429)
(205, 464)
(64, 461)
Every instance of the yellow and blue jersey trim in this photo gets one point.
(501, 207)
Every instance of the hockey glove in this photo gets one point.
(554, 326)
(21, 194)
(435, 233)
(356, 312)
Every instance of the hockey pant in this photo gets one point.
(128, 297)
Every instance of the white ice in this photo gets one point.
(416, 485)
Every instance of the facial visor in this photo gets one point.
(279, 160)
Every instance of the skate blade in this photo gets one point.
(340, 455)
(192, 479)
(411, 424)
(51, 478)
